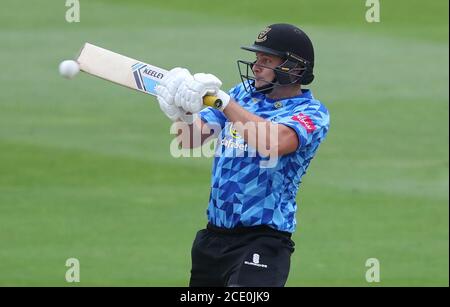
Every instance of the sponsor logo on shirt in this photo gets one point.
(229, 143)
(236, 141)
(234, 133)
(305, 121)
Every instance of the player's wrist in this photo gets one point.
(225, 98)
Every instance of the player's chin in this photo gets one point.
(260, 83)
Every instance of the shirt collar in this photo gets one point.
(306, 94)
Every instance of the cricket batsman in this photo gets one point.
(268, 130)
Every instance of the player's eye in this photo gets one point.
(263, 61)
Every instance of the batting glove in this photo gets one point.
(166, 91)
(189, 95)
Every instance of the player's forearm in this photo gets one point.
(185, 135)
(256, 131)
(194, 135)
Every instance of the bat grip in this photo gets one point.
(212, 101)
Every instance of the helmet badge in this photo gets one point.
(262, 36)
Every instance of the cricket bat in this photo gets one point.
(126, 71)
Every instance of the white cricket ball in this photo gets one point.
(69, 68)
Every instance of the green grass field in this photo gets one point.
(85, 168)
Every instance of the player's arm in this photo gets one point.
(191, 130)
(183, 93)
(268, 138)
(194, 135)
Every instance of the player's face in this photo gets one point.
(262, 68)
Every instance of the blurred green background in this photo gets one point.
(85, 167)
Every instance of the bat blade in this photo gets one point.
(126, 71)
(119, 69)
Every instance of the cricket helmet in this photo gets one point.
(293, 46)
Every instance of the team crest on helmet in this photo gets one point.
(262, 36)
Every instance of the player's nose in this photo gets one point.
(256, 68)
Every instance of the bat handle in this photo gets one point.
(212, 101)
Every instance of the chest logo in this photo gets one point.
(234, 133)
(278, 104)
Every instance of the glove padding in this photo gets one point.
(166, 91)
(189, 95)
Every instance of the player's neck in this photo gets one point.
(281, 92)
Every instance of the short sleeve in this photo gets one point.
(210, 115)
(311, 125)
